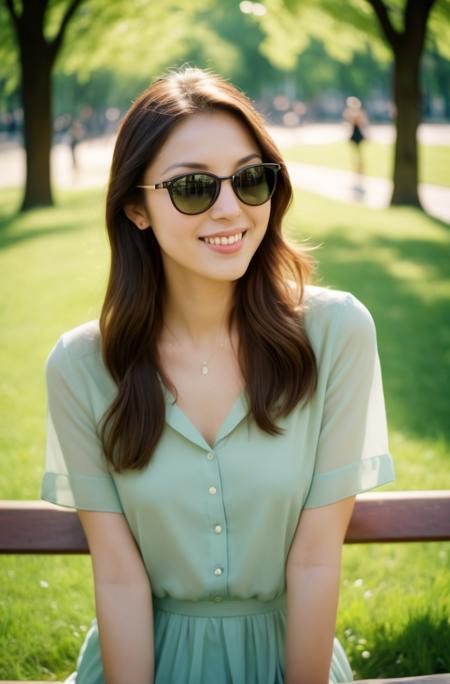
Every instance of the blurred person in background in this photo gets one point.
(357, 119)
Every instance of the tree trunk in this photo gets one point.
(408, 105)
(37, 56)
(407, 47)
(38, 123)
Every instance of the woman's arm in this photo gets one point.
(312, 577)
(123, 599)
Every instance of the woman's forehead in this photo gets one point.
(205, 139)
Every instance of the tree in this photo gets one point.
(407, 46)
(398, 30)
(37, 57)
(127, 35)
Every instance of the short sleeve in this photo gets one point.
(76, 474)
(352, 452)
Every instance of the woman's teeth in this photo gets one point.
(230, 240)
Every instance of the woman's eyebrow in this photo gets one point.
(204, 167)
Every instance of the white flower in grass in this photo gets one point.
(358, 582)
(44, 584)
(348, 631)
(367, 594)
(362, 641)
(76, 634)
(365, 654)
(83, 628)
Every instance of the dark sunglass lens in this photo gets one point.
(255, 184)
(193, 193)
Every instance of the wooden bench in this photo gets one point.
(32, 527)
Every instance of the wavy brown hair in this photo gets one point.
(275, 355)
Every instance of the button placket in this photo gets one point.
(216, 524)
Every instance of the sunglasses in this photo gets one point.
(194, 193)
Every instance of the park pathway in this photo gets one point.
(369, 191)
(94, 158)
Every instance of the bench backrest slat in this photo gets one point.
(39, 527)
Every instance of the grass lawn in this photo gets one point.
(395, 599)
(434, 160)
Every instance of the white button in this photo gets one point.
(212, 490)
(210, 456)
(217, 599)
(218, 571)
(217, 529)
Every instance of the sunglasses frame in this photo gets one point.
(167, 185)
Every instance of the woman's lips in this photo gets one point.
(226, 249)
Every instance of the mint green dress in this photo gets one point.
(214, 523)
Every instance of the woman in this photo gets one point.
(214, 427)
(357, 119)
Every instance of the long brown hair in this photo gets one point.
(275, 355)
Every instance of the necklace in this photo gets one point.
(204, 369)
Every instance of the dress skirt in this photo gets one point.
(239, 641)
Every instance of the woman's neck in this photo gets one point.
(197, 312)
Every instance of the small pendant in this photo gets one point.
(204, 368)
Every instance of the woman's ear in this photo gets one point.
(138, 215)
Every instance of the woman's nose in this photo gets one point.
(227, 204)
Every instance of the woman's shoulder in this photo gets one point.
(75, 345)
(75, 368)
(318, 297)
(334, 310)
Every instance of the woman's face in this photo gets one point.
(219, 143)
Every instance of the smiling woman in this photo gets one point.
(214, 426)
(205, 205)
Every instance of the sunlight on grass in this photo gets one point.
(434, 160)
(395, 598)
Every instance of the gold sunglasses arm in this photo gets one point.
(151, 187)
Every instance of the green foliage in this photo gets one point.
(124, 35)
(317, 72)
(249, 69)
(138, 36)
(286, 34)
(343, 27)
(9, 68)
(439, 27)
(113, 50)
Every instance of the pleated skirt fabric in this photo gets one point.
(199, 642)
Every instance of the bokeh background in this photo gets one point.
(69, 70)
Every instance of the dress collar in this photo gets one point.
(179, 421)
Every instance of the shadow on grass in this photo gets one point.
(438, 222)
(413, 329)
(420, 648)
(73, 211)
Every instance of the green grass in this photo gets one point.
(434, 160)
(395, 598)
